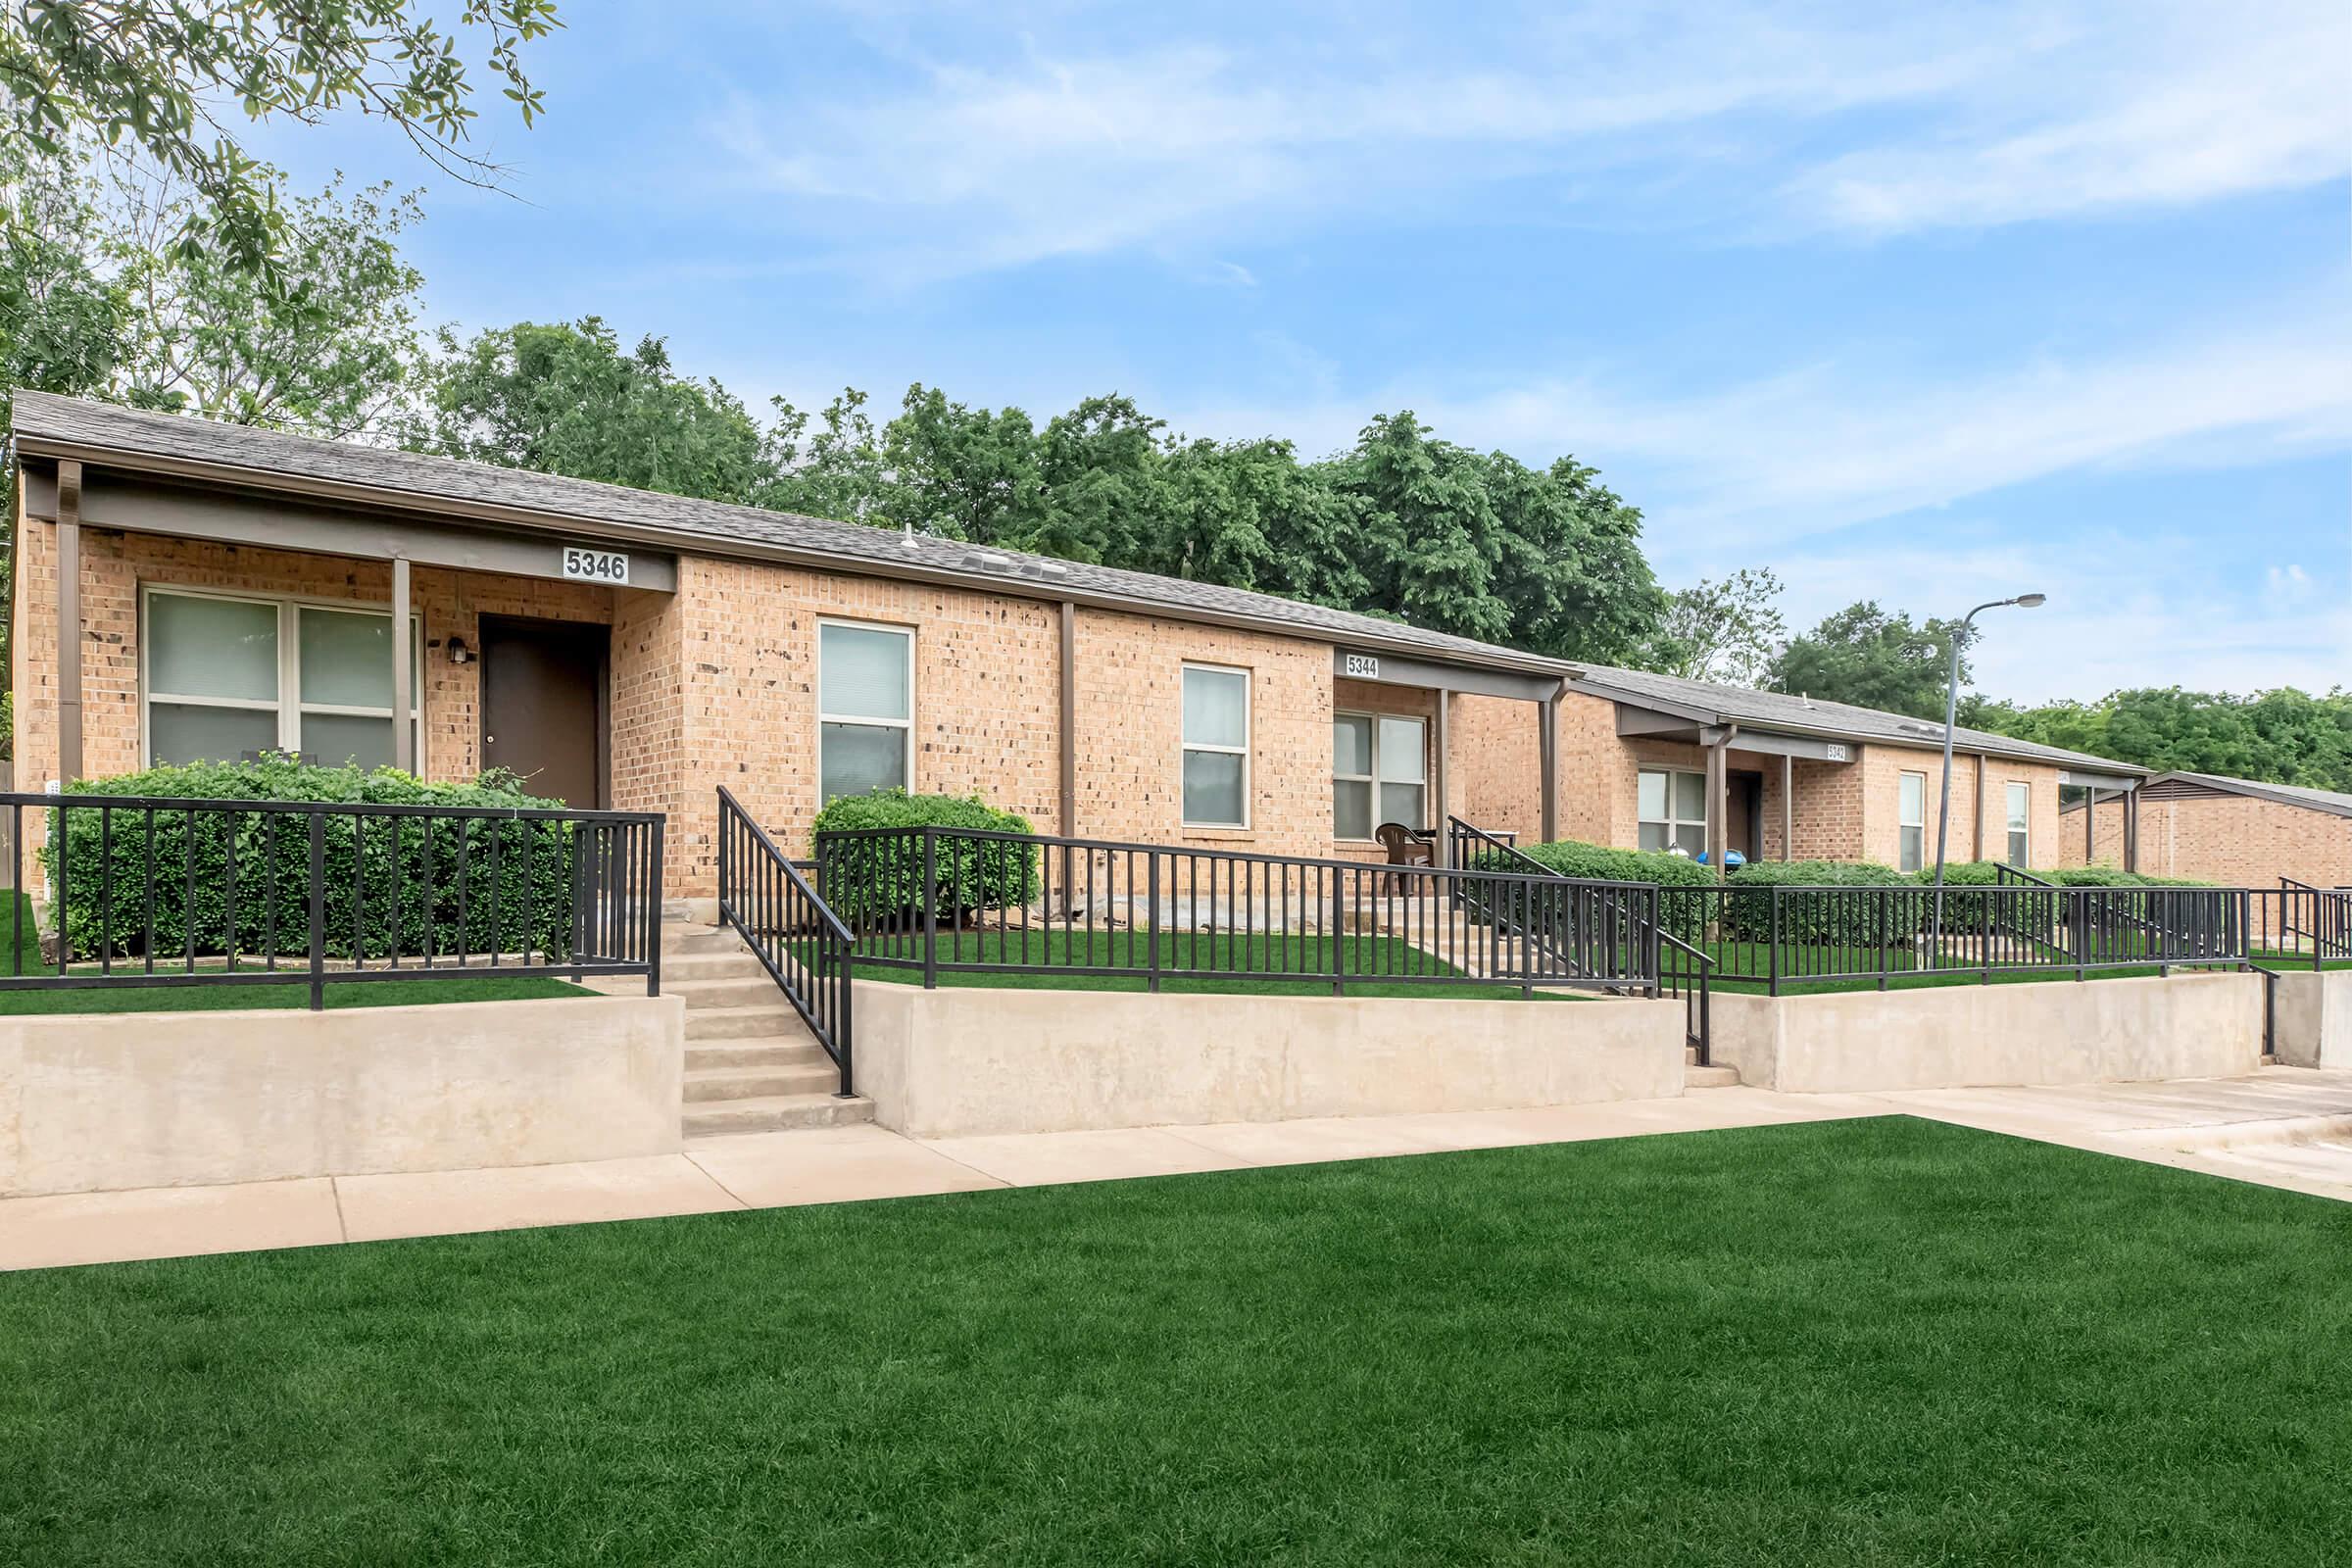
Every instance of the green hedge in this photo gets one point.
(1683, 916)
(870, 880)
(1748, 905)
(383, 913)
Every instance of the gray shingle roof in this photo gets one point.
(2329, 801)
(412, 479)
(1779, 711)
(415, 479)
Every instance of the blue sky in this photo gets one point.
(1930, 308)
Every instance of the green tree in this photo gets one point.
(1727, 632)
(62, 323)
(2284, 736)
(1104, 480)
(962, 473)
(1869, 658)
(329, 346)
(833, 471)
(166, 78)
(565, 399)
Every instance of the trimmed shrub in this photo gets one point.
(377, 902)
(1683, 915)
(867, 880)
(1748, 904)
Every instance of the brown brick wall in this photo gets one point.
(117, 565)
(2236, 840)
(715, 685)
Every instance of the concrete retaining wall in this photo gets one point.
(2313, 1024)
(99, 1101)
(2052, 1032)
(956, 1062)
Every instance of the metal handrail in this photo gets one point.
(1699, 1028)
(806, 948)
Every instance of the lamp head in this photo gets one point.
(2030, 600)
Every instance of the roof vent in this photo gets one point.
(986, 561)
(1048, 570)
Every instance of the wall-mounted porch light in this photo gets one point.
(458, 653)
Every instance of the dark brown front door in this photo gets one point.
(543, 705)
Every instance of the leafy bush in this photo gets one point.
(870, 879)
(1821, 919)
(377, 904)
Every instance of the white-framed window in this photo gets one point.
(2021, 845)
(864, 708)
(1216, 746)
(1911, 818)
(1672, 807)
(223, 674)
(1379, 774)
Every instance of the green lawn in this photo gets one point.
(1739, 962)
(1254, 959)
(1853, 1343)
(296, 993)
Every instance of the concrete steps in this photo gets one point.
(1712, 1077)
(752, 1064)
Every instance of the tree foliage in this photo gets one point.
(2284, 736)
(1728, 632)
(327, 346)
(1403, 525)
(567, 399)
(167, 78)
(1871, 658)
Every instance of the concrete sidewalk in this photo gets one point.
(2287, 1127)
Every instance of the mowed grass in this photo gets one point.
(200, 997)
(1855, 1343)
(1247, 963)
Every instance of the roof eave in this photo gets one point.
(1716, 717)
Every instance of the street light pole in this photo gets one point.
(1951, 715)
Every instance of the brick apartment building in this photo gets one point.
(2202, 826)
(188, 588)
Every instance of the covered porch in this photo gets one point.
(167, 622)
(1406, 738)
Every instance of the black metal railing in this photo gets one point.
(943, 901)
(801, 943)
(2295, 923)
(1781, 935)
(169, 891)
(1465, 842)
(1685, 971)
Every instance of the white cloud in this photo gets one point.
(2224, 101)
(1074, 146)
(1818, 449)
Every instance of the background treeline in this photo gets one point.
(101, 295)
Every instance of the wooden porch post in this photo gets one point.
(1443, 848)
(1069, 719)
(1719, 827)
(68, 620)
(1787, 807)
(2130, 830)
(1977, 850)
(1547, 746)
(2090, 824)
(404, 696)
